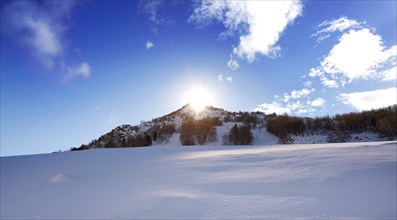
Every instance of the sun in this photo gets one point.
(199, 98)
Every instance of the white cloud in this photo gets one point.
(297, 107)
(389, 75)
(358, 55)
(82, 70)
(317, 102)
(233, 64)
(292, 103)
(329, 82)
(270, 108)
(258, 23)
(41, 27)
(220, 77)
(45, 40)
(341, 24)
(315, 72)
(149, 45)
(370, 99)
(297, 94)
(304, 111)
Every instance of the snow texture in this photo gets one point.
(327, 181)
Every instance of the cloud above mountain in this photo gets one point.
(258, 24)
(359, 54)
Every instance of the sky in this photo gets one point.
(73, 70)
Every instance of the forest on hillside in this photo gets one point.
(338, 128)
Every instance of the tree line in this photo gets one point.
(199, 131)
(381, 121)
(238, 135)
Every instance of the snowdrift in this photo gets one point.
(350, 180)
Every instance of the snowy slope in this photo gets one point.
(121, 133)
(350, 180)
(167, 130)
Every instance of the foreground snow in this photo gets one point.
(351, 180)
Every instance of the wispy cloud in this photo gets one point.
(222, 77)
(259, 24)
(370, 99)
(82, 70)
(152, 8)
(41, 28)
(233, 64)
(341, 24)
(390, 74)
(149, 45)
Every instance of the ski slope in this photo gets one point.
(328, 181)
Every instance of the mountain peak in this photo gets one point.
(188, 110)
(205, 112)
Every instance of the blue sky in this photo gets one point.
(73, 70)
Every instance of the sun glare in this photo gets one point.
(199, 98)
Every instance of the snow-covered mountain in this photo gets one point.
(166, 130)
(216, 126)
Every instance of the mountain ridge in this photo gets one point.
(216, 126)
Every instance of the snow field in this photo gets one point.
(349, 180)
